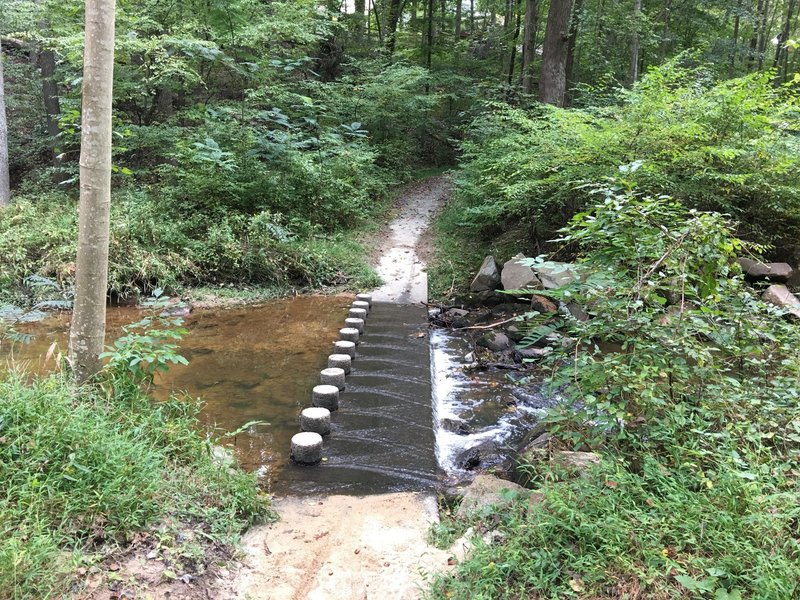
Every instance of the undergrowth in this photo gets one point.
(87, 469)
(686, 382)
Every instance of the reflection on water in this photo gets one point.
(254, 363)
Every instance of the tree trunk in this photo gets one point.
(553, 78)
(472, 18)
(783, 37)
(666, 14)
(633, 70)
(391, 26)
(87, 333)
(429, 44)
(458, 20)
(573, 38)
(5, 181)
(529, 43)
(513, 58)
(762, 36)
(735, 41)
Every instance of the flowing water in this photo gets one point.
(408, 401)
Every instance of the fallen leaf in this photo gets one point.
(576, 585)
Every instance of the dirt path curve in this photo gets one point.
(348, 547)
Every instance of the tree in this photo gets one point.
(529, 43)
(87, 333)
(553, 78)
(633, 71)
(5, 183)
(395, 9)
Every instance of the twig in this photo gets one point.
(491, 325)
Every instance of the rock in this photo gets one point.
(489, 298)
(488, 490)
(754, 270)
(577, 311)
(483, 456)
(514, 333)
(455, 426)
(534, 353)
(554, 275)
(780, 296)
(462, 546)
(456, 317)
(577, 462)
(543, 305)
(488, 277)
(495, 341)
(516, 276)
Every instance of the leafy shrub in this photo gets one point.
(730, 147)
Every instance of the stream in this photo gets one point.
(259, 363)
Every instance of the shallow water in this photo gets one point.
(254, 363)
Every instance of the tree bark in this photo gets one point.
(472, 18)
(781, 48)
(573, 39)
(5, 181)
(735, 41)
(633, 70)
(87, 332)
(553, 78)
(429, 44)
(666, 14)
(457, 27)
(529, 43)
(391, 26)
(513, 58)
(762, 33)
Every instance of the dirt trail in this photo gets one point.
(348, 547)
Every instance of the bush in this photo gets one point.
(82, 468)
(731, 147)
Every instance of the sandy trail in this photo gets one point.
(348, 547)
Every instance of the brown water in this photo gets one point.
(254, 363)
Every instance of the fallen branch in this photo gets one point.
(490, 325)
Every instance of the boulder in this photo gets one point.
(543, 305)
(484, 455)
(516, 276)
(514, 333)
(534, 353)
(561, 463)
(779, 295)
(456, 426)
(756, 271)
(554, 275)
(577, 311)
(495, 341)
(487, 490)
(488, 277)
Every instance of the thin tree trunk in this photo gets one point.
(529, 43)
(783, 37)
(513, 58)
(664, 45)
(5, 181)
(633, 70)
(429, 44)
(457, 28)
(472, 18)
(87, 333)
(573, 39)
(735, 40)
(553, 80)
(754, 39)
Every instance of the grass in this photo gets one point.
(83, 470)
(650, 532)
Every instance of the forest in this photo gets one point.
(257, 146)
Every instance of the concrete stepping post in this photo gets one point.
(306, 448)
(345, 347)
(332, 376)
(357, 313)
(316, 419)
(325, 396)
(361, 304)
(349, 334)
(340, 361)
(364, 298)
(355, 324)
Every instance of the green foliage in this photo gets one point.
(729, 146)
(82, 468)
(688, 383)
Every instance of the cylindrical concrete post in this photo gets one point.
(325, 396)
(332, 376)
(349, 334)
(316, 419)
(364, 298)
(340, 361)
(307, 448)
(345, 347)
(361, 304)
(355, 324)
(357, 313)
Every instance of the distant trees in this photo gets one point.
(5, 183)
(87, 333)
